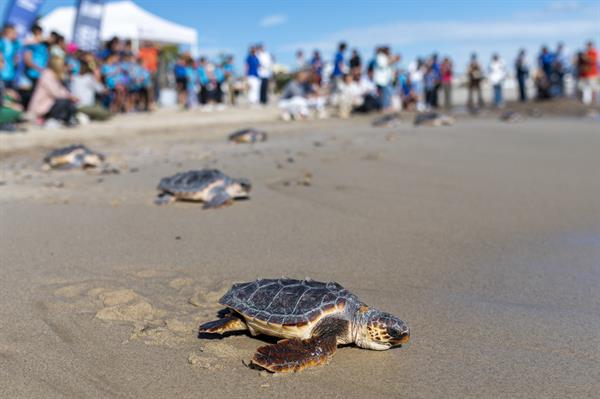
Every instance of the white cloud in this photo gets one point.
(273, 20)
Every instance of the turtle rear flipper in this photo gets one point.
(291, 355)
(220, 198)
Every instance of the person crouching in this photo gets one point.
(51, 100)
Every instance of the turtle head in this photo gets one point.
(380, 331)
(241, 188)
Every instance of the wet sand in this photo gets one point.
(484, 237)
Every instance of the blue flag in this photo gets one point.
(86, 32)
(22, 14)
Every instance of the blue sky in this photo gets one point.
(412, 28)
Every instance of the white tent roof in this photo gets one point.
(127, 21)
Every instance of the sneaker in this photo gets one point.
(52, 124)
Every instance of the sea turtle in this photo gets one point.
(511, 117)
(73, 156)
(248, 136)
(433, 119)
(387, 120)
(312, 317)
(210, 186)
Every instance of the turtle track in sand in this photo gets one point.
(162, 308)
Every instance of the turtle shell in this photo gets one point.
(193, 181)
(71, 154)
(289, 302)
(248, 136)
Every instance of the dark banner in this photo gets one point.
(86, 32)
(22, 14)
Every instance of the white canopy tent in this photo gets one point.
(125, 20)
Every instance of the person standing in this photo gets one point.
(355, 63)
(150, 56)
(475, 77)
(300, 60)
(545, 62)
(522, 72)
(264, 72)
(382, 75)
(252, 65)
(316, 65)
(589, 74)
(9, 48)
(437, 75)
(416, 73)
(497, 75)
(339, 65)
(229, 79)
(35, 57)
(446, 72)
(181, 80)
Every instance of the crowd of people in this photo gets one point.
(57, 83)
(383, 84)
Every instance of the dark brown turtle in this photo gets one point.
(211, 186)
(433, 119)
(248, 136)
(312, 317)
(75, 156)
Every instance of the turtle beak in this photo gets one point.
(400, 337)
(245, 183)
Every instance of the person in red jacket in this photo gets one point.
(588, 78)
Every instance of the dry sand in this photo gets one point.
(484, 237)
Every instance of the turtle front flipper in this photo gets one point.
(164, 198)
(220, 198)
(291, 355)
(224, 325)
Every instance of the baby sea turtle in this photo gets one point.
(71, 157)
(248, 136)
(210, 186)
(433, 119)
(312, 317)
(511, 117)
(387, 120)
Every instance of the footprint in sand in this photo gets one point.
(162, 307)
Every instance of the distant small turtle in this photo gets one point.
(72, 157)
(387, 120)
(433, 119)
(312, 317)
(248, 136)
(511, 117)
(210, 186)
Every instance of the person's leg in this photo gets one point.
(470, 97)
(62, 110)
(496, 95)
(253, 89)
(264, 91)
(218, 94)
(479, 95)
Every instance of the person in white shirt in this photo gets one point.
(349, 95)
(85, 86)
(497, 76)
(264, 72)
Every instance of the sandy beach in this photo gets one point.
(483, 236)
